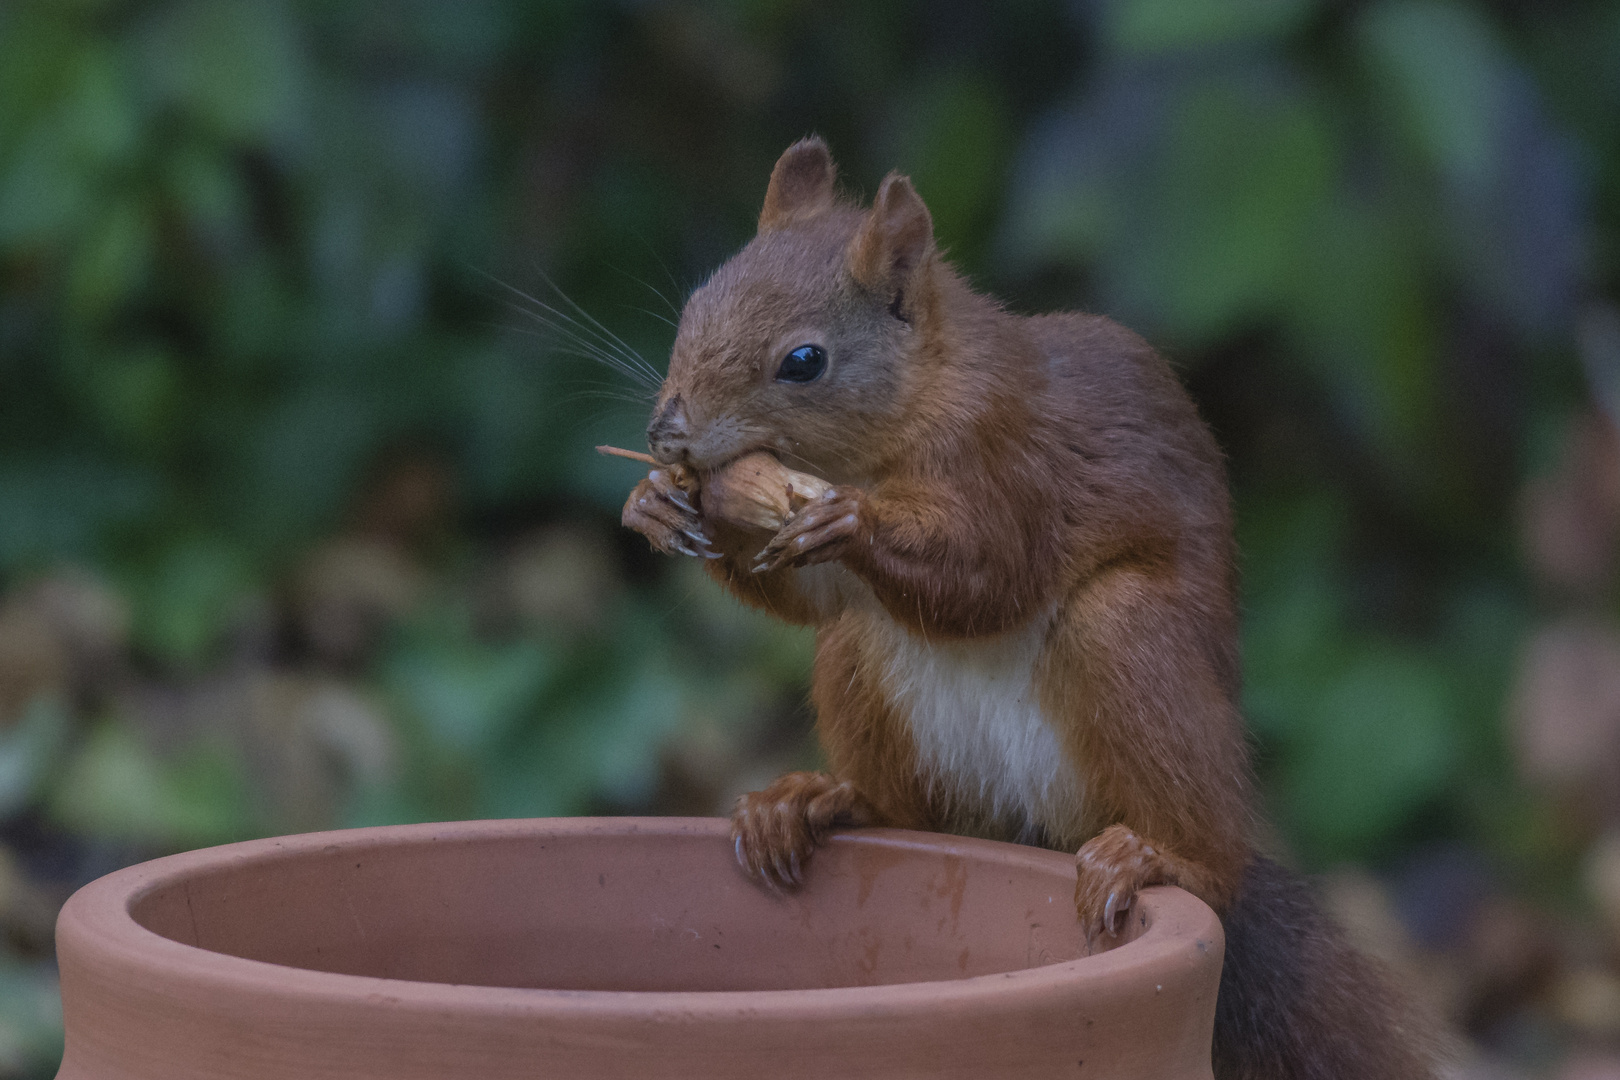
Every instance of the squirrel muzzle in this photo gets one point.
(669, 432)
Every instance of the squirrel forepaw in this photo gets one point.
(818, 532)
(1111, 868)
(662, 511)
(775, 830)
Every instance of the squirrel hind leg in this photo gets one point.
(1297, 1002)
(775, 831)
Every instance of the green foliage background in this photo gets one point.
(253, 263)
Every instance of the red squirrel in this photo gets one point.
(1023, 587)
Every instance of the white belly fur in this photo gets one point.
(981, 734)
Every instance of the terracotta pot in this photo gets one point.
(581, 948)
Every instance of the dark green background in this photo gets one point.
(260, 369)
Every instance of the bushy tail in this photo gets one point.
(1298, 1003)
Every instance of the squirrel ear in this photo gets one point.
(801, 184)
(892, 243)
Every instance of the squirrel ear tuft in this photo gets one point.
(893, 242)
(801, 184)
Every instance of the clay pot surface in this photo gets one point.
(621, 947)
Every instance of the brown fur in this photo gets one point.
(1014, 498)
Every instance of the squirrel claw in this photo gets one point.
(662, 512)
(776, 830)
(1110, 869)
(818, 532)
(704, 545)
(1113, 913)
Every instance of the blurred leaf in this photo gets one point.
(468, 696)
(604, 742)
(114, 787)
(30, 1019)
(951, 137)
(236, 67)
(1195, 198)
(430, 134)
(29, 749)
(1071, 195)
(1147, 26)
(1359, 312)
(726, 631)
(209, 193)
(1244, 174)
(1294, 639)
(36, 49)
(1380, 744)
(1447, 73)
(49, 182)
(135, 396)
(465, 33)
(1294, 634)
(1485, 624)
(250, 318)
(60, 507)
(1472, 113)
(112, 263)
(303, 460)
(186, 602)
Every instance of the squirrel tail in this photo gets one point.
(1298, 1003)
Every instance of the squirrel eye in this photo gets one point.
(804, 364)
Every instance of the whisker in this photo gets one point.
(602, 331)
(590, 335)
(665, 319)
(597, 395)
(583, 347)
(609, 392)
(650, 288)
(673, 284)
(637, 394)
(586, 421)
(807, 463)
(576, 333)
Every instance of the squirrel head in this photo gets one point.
(811, 341)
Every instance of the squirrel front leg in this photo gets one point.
(951, 561)
(1140, 669)
(661, 509)
(893, 540)
(874, 778)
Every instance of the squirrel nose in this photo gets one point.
(669, 431)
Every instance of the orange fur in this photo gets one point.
(1022, 581)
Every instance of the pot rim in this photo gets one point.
(98, 919)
